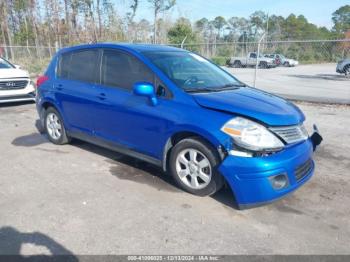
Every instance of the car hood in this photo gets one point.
(252, 103)
(13, 73)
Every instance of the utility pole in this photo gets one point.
(257, 59)
(267, 26)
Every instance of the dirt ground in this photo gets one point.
(82, 199)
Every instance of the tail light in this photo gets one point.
(41, 80)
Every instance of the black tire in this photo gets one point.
(216, 181)
(263, 65)
(63, 138)
(286, 64)
(237, 64)
(347, 70)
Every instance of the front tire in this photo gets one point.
(54, 127)
(347, 70)
(193, 165)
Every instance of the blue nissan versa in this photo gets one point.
(179, 111)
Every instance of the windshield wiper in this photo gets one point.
(215, 89)
(200, 89)
(233, 85)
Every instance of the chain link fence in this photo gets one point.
(307, 52)
(313, 79)
(35, 59)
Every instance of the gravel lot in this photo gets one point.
(315, 83)
(83, 199)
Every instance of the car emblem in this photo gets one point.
(10, 84)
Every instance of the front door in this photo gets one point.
(122, 117)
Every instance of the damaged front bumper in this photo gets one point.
(257, 181)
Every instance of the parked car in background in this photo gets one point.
(250, 60)
(281, 60)
(343, 67)
(181, 112)
(15, 84)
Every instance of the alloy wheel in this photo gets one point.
(193, 168)
(53, 126)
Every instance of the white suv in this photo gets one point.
(15, 84)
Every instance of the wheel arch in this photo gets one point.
(180, 135)
(44, 105)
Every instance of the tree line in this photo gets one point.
(58, 23)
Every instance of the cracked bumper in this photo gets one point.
(250, 177)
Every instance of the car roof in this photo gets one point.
(132, 47)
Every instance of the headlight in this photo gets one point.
(251, 135)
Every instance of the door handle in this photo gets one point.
(101, 96)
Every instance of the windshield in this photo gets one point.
(192, 72)
(5, 64)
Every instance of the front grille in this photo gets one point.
(301, 171)
(15, 84)
(291, 134)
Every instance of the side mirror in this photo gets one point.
(146, 89)
(17, 66)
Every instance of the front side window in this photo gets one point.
(122, 70)
(191, 72)
(5, 64)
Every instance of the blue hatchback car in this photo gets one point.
(179, 111)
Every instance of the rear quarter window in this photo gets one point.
(63, 65)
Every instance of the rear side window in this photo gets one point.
(79, 65)
(122, 70)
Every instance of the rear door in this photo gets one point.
(76, 76)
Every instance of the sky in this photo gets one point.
(318, 12)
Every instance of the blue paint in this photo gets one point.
(145, 122)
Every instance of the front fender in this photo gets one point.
(220, 141)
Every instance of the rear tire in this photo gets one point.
(237, 64)
(286, 64)
(193, 164)
(54, 127)
(263, 65)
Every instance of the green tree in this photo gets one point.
(219, 23)
(181, 32)
(258, 21)
(341, 19)
(202, 24)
